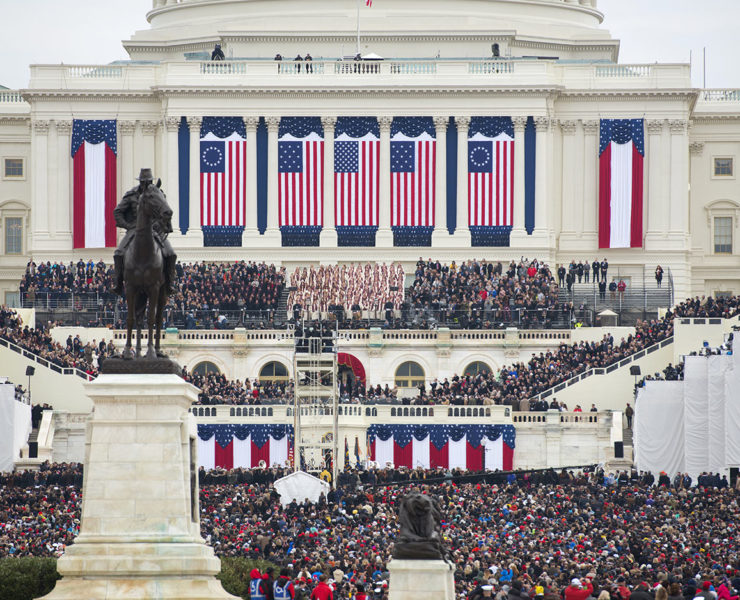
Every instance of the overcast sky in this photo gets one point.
(90, 31)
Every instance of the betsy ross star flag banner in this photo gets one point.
(413, 170)
(356, 171)
(94, 152)
(469, 447)
(621, 174)
(223, 171)
(245, 446)
(300, 172)
(491, 171)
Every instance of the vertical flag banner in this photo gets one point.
(356, 171)
(413, 169)
(470, 447)
(491, 172)
(232, 446)
(94, 151)
(300, 172)
(621, 172)
(223, 172)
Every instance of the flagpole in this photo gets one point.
(358, 26)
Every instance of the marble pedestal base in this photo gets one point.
(140, 529)
(428, 579)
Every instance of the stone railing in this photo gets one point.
(10, 96)
(732, 95)
(624, 71)
(569, 419)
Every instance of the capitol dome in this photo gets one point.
(565, 29)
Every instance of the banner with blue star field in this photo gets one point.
(301, 172)
(244, 446)
(413, 171)
(468, 447)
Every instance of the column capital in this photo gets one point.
(568, 127)
(462, 123)
(655, 126)
(696, 148)
(385, 123)
(329, 122)
(678, 126)
(441, 122)
(63, 127)
(126, 127)
(520, 124)
(251, 123)
(172, 124)
(542, 123)
(149, 127)
(273, 123)
(194, 123)
(590, 127)
(40, 127)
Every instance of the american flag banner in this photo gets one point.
(491, 171)
(300, 172)
(245, 446)
(413, 169)
(621, 174)
(94, 151)
(223, 172)
(356, 171)
(469, 447)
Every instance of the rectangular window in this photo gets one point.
(723, 235)
(723, 167)
(13, 167)
(14, 235)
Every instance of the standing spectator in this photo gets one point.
(596, 266)
(298, 59)
(309, 60)
(579, 271)
(322, 591)
(561, 275)
(659, 275)
(629, 412)
(602, 289)
(613, 289)
(604, 268)
(217, 53)
(586, 271)
(621, 286)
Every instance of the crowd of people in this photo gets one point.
(354, 288)
(216, 389)
(724, 307)
(544, 535)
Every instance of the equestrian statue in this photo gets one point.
(144, 260)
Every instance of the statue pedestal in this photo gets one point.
(428, 579)
(140, 529)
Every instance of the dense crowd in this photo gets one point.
(481, 294)
(216, 389)
(527, 534)
(355, 288)
(724, 307)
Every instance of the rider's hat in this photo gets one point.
(146, 175)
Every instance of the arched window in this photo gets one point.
(476, 367)
(274, 371)
(205, 367)
(409, 375)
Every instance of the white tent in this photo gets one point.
(300, 486)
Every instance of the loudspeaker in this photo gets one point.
(635, 370)
(30, 370)
(618, 449)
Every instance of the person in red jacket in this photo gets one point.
(322, 591)
(579, 589)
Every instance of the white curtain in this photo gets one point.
(458, 454)
(659, 427)
(207, 452)
(15, 427)
(278, 451)
(420, 453)
(494, 450)
(732, 410)
(383, 451)
(696, 415)
(94, 195)
(717, 367)
(620, 227)
(243, 452)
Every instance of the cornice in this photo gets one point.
(658, 94)
(29, 95)
(325, 92)
(712, 119)
(19, 120)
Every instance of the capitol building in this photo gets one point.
(467, 128)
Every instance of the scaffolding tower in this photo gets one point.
(316, 398)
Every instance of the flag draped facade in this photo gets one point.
(621, 173)
(300, 172)
(94, 151)
(234, 446)
(223, 172)
(413, 171)
(356, 171)
(471, 447)
(491, 172)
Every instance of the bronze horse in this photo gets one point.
(144, 273)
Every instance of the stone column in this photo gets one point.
(171, 180)
(518, 233)
(541, 196)
(52, 182)
(440, 235)
(462, 230)
(146, 150)
(64, 189)
(657, 207)
(679, 204)
(272, 235)
(39, 183)
(384, 236)
(568, 208)
(328, 237)
(126, 156)
(250, 237)
(195, 233)
(590, 182)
